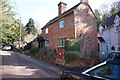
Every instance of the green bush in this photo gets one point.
(70, 56)
(34, 50)
(72, 45)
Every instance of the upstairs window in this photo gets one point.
(61, 23)
(46, 31)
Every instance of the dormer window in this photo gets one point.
(61, 23)
(46, 31)
(117, 24)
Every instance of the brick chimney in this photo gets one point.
(85, 1)
(61, 8)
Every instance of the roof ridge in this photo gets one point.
(109, 20)
(59, 16)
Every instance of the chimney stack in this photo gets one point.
(85, 1)
(61, 8)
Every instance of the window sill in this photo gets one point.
(61, 46)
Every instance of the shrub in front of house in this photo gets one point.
(70, 56)
(34, 51)
(72, 45)
(43, 54)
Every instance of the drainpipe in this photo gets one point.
(108, 38)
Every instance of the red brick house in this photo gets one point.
(68, 24)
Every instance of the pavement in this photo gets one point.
(14, 65)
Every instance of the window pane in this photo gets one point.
(61, 24)
(107, 71)
(46, 30)
(61, 42)
(47, 43)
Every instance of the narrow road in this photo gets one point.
(13, 65)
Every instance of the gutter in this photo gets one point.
(58, 18)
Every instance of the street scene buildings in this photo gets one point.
(69, 24)
(109, 34)
(81, 43)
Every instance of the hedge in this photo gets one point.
(73, 45)
(70, 56)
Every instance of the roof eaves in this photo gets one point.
(92, 11)
(58, 18)
(62, 15)
(110, 20)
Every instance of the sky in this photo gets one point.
(44, 10)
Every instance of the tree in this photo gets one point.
(104, 17)
(11, 33)
(116, 5)
(98, 14)
(9, 26)
(6, 17)
(30, 27)
(113, 11)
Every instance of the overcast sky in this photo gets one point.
(44, 10)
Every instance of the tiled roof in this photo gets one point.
(63, 14)
(109, 21)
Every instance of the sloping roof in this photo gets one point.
(109, 21)
(63, 14)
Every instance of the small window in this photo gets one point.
(46, 30)
(61, 24)
(61, 42)
(46, 42)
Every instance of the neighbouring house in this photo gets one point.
(37, 42)
(69, 24)
(109, 34)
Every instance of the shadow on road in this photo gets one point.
(19, 66)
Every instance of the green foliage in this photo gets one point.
(104, 17)
(72, 44)
(98, 14)
(9, 27)
(34, 50)
(113, 10)
(71, 56)
(30, 27)
(11, 33)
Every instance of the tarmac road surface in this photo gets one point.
(13, 65)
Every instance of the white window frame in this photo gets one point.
(117, 24)
(61, 23)
(61, 42)
(47, 42)
(46, 30)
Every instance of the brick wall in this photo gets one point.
(54, 32)
(82, 20)
(85, 22)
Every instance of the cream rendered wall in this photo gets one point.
(113, 39)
